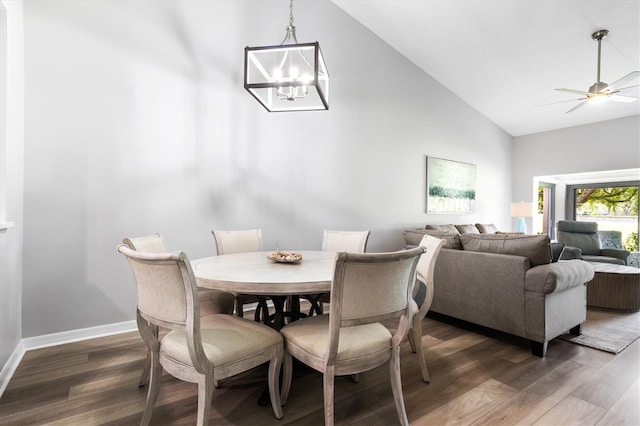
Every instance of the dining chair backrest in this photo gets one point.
(426, 268)
(166, 288)
(230, 242)
(150, 243)
(348, 241)
(372, 287)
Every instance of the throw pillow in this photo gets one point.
(452, 238)
(450, 228)
(487, 229)
(556, 251)
(537, 248)
(610, 239)
(412, 237)
(467, 229)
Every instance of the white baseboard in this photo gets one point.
(55, 339)
(71, 336)
(10, 367)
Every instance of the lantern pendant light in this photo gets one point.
(291, 76)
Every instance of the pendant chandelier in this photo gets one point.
(291, 76)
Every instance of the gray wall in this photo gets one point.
(11, 151)
(137, 122)
(608, 145)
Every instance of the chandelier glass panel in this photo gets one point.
(291, 76)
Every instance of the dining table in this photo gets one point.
(257, 274)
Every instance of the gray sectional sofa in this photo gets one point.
(509, 283)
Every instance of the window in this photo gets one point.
(614, 206)
(547, 209)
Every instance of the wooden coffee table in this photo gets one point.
(615, 287)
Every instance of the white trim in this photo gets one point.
(71, 336)
(10, 367)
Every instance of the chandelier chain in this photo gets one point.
(291, 13)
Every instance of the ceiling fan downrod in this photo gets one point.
(599, 36)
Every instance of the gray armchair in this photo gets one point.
(583, 242)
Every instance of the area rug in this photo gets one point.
(607, 331)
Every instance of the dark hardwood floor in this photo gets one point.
(476, 378)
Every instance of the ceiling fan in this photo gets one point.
(600, 90)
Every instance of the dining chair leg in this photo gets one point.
(205, 393)
(144, 377)
(412, 342)
(329, 392)
(415, 336)
(154, 386)
(396, 386)
(239, 306)
(274, 384)
(287, 373)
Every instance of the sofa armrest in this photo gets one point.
(571, 252)
(617, 253)
(555, 277)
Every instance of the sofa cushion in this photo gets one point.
(412, 237)
(537, 248)
(448, 227)
(467, 229)
(487, 229)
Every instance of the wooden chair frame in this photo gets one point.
(159, 275)
(357, 279)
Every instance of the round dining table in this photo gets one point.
(254, 273)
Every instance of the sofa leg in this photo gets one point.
(539, 349)
(576, 331)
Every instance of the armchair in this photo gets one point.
(583, 242)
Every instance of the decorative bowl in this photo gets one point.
(284, 257)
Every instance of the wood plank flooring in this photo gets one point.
(477, 378)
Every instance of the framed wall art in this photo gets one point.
(451, 187)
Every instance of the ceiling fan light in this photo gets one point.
(598, 99)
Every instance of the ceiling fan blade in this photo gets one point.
(621, 98)
(628, 87)
(561, 102)
(577, 106)
(575, 92)
(628, 77)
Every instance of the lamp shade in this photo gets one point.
(287, 77)
(521, 209)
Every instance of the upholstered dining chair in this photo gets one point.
(333, 240)
(210, 301)
(230, 242)
(423, 296)
(197, 350)
(367, 288)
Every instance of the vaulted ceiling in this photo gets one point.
(506, 57)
